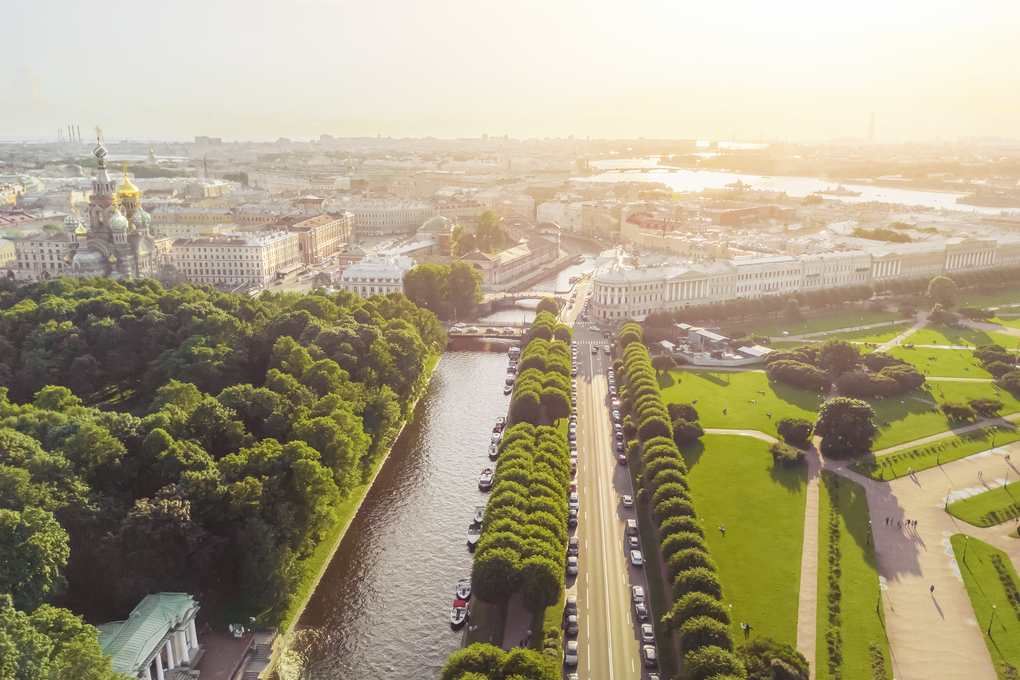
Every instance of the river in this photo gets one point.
(382, 609)
(697, 180)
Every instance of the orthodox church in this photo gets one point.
(116, 241)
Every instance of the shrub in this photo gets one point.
(697, 580)
(686, 433)
(673, 508)
(698, 604)
(1012, 381)
(678, 525)
(958, 412)
(760, 657)
(712, 662)
(677, 542)
(704, 631)
(797, 374)
(670, 477)
(669, 491)
(785, 455)
(683, 412)
(690, 558)
(986, 407)
(665, 463)
(998, 368)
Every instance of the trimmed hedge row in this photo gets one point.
(543, 384)
(698, 613)
(524, 534)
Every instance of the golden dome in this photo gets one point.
(81, 230)
(127, 188)
(113, 258)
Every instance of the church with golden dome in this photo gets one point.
(116, 241)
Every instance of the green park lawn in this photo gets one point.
(911, 417)
(989, 508)
(861, 618)
(733, 391)
(948, 363)
(898, 464)
(734, 484)
(879, 335)
(986, 588)
(847, 318)
(983, 301)
(940, 335)
(792, 344)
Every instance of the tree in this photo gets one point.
(33, 553)
(663, 362)
(704, 631)
(693, 605)
(785, 455)
(795, 431)
(792, 313)
(686, 433)
(541, 583)
(986, 407)
(549, 305)
(428, 286)
(465, 287)
(845, 426)
(760, 655)
(958, 412)
(941, 316)
(838, 356)
(496, 574)
(942, 291)
(697, 580)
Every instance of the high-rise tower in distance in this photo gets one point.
(871, 128)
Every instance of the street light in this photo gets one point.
(966, 543)
(990, 620)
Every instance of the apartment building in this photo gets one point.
(252, 258)
(321, 236)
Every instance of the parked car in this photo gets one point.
(628, 501)
(647, 633)
(637, 594)
(649, 656)
(570, 627)
(641, 611)
(636, 558)
(570, 656)
(572, 565)
(622, 460)
(574, 546)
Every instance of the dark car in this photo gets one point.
(572, 519)
(622, 460)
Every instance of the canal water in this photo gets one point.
(382, 609)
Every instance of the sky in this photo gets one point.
(524, 68)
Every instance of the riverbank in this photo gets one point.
(316, 565)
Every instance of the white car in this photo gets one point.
(572, 565)
(637, 593)
(574, 501)
(460, 325)
(628, 502)
(570, 656)
(593, 328)
(647, 633)
(636, 559)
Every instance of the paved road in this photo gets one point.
(609, 648)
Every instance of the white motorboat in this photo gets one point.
(464, 589)
(485, 479)
(459, 614)
(479, 514)
(493, 451)
(474, 533)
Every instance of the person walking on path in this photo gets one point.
(722, 529)
(887, 521)
(933, 590)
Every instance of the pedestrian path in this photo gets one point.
(807, 608)
(921, 322)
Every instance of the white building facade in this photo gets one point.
(375, 276)
(251, 258)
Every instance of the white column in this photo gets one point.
(159, 668)
(148, 673)
(169, 654)
(182, 646)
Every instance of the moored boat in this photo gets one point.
(493, 451)
(464, 589)
(485, 479)
(459, 614)
(474, 533)
(507, 389)
(479, 514)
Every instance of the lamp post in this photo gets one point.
(990, 621)
(869, 533)
(966, 542)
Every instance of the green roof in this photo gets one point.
(134, 643)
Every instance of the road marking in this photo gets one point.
(632, 669)
(629, 620)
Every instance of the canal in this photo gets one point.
(382, 609)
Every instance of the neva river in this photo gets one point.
(697, 180)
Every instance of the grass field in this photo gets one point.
(894, 465)
(860, 615)
(792, 344)
(734, 484)
(981, 301)
(947, 363)
(989, 508)
(881, 334)
(940, 335)
(846, 318)
(913, 418)
(986, 588)
(733, 392)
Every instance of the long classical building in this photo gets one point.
(321, 236)
(250, 258)
(621, 292)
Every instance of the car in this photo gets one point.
(649, 656)
(619, 445)
(641, 611)
(622, 460)
(608, 349)
(572, 427)
(612, 390)
(594, 329)
(491, 330)
(637, 594)
(633, 543)
(507, 330)
(570, 656)
(628, 501)
(615, 403)
(572, 565)
(574, 546)
(584, 318)
(616, 416)
(607, 335)
(575, 676)
(651, 676)
(471, 329)
(594, 349)
(575, 501)
(636, 558)
(570, 606)
(647, 633)
(573, 447)
(570, 627)
(456, 331)
(572, 519)
(460, 325)
(572, 434)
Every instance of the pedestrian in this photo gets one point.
(724, 411)
(887, 521)
(747, 630)
(722, 529)
(933, 590)
(769, 414)
(899, 525)
(915, 523)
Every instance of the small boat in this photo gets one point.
(464, 589)
(508, 389)
(493, 451)
(474, 533)
(501, 422)
(479, 514)
(459, 614)
(496, 437)
(485, 479)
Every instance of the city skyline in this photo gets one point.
(525, 69)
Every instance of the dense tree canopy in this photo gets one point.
(845, 426)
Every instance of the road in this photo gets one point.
(608, 637)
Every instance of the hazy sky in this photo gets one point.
(527, 68)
